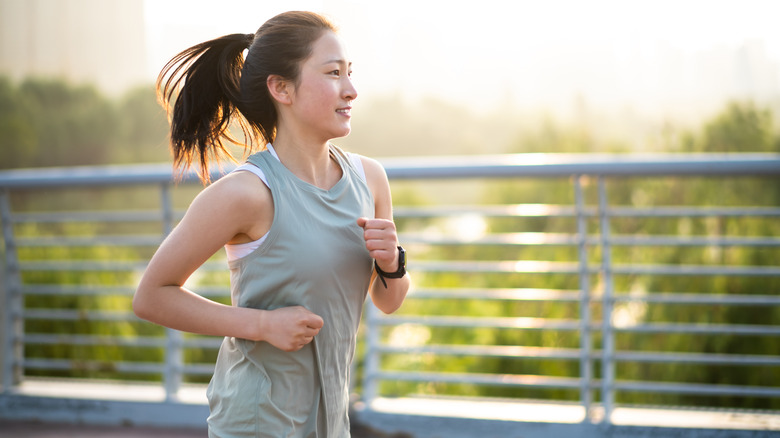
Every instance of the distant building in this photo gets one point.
(83, 41)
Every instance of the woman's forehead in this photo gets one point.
(329, 48)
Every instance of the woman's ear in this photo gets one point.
(280, 89)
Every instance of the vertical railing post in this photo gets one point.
(586, 371)
(173, 338)
(13, 327)
(371, 357)
(607, 340)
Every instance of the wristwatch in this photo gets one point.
(400, 272)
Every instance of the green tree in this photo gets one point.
(19, 139)
(75, 125)
(49, 122)
(740, 127)
(143, 128)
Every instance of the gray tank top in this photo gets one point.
(315, 257)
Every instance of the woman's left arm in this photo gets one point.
(382, 241)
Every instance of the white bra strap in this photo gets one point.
(358, 164)
(253, 169)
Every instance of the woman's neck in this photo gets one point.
(309, 161)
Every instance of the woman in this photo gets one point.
(303, 224)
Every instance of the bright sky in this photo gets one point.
(651, 55)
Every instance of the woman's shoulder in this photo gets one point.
(373, 169)
(242, 190)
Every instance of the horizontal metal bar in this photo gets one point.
(509, 351)
(619, 240)
(90, 176)
(124, 341)
(522, 352)
(505, 239)
(697, 389)
(509, 210)
(471, 322)
(481, 379)
(494, 294)
(76, 290)
(451, 293)
(503, 210)
(197, 369)
(505, 351)
(92, 340)
(77, 241)
(85, 365)
(86, 265)
(100, 266)
(88, 216)
(574, 383)
(557, 210)
(566, 165)
(213, 342)
(698, 358)
(521, 266)
(700, 298)
(703, 329)
(561, 239)
(570, 295)
(460, 167)
(114, 366)
(455, 321)
(79, 315)
(569, 324)
(688, 211)
(548, 267)
(707, 270)
(107, 290)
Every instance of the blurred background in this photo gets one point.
(629, 76)
(434, 78)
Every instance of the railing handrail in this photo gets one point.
(454, 166)
(579, 167)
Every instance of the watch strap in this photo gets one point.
(400, 272)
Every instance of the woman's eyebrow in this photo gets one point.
(337, 61)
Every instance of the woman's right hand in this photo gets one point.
(289, 328)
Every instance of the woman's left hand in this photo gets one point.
(381, 241)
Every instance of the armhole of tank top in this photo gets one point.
(240, 250)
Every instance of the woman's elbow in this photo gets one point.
(389, 305)
(141, 305)
(388, 308)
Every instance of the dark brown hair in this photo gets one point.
(212, 86)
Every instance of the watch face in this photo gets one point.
(401, 257)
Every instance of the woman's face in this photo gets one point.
(322, 99)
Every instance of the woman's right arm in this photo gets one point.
(228, 208)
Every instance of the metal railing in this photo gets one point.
(46, 259)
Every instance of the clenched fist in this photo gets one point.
(381, 241)
(290, 328)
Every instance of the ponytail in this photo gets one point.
(204, 83)
(213, 86)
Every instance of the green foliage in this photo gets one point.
(741, 127)
(48, 122)
(143, 128)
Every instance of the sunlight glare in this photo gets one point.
(467, 228)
